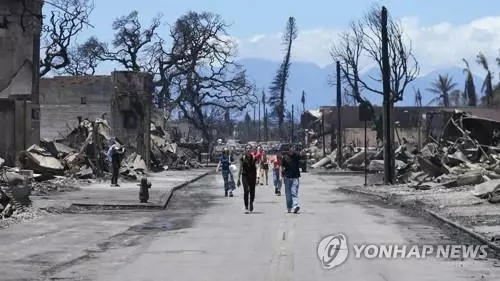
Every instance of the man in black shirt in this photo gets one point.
(291, 174)
(248, 174)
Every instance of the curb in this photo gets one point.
(338, 173)
(181, 185)
(464, 229)
(150, 206)
(435, 215)
(117, 206)
(367, 193)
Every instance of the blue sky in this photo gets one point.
(442, 31)
(251, 17)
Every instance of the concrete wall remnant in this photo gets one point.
(123, 98)
(20, 28)
(64, 98)
(18, 38)
(131, 110)
(16, 119)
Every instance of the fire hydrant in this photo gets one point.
(144, 190)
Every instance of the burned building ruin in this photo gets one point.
(20, 27)
(123, 99)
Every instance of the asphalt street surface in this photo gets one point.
(204, 236)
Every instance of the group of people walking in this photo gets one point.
(254, 169)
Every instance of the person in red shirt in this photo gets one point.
(257, 156)
(276, 163)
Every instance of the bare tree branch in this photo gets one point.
(199, 72)
(60, 30)
(83, 58)
(364, 40)
(278, 86)
(132, 44)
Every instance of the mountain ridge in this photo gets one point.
(313, 79)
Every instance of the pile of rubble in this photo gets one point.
(173, 156)
(66, 163)
(82, 154)
(461, 150)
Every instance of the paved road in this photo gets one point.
(204, 236)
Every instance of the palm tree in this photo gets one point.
(487, 87)
(470, 88)
(443, 86)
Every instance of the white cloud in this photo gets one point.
(440, 45)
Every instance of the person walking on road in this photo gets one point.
(224, 165)
(264, 168)
(276, 162)
(248, 176)
(257, 155)
(290, 166)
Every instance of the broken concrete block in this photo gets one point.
(378, 165)
(14, 178)
(40, 161)
(465, 179)
(85, 172)
(322, 162)
(484, 189)
(58, 150)
(359, 158)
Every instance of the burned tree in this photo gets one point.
(64, 22)
(469, 93)
(364, 39)
(132, 44)
(83, 59)
(201, 73)
(278, 86)
(487, 86)
(265, 119)
(442, 87)
(303, 101)
(418, 98)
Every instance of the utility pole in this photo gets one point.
(266, 125)
(386, 79)
(323, 131)
(254, 123)
(259, 118)
(292, 125)
(339, 117)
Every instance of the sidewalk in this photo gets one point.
(126, 195)
(454, 206)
